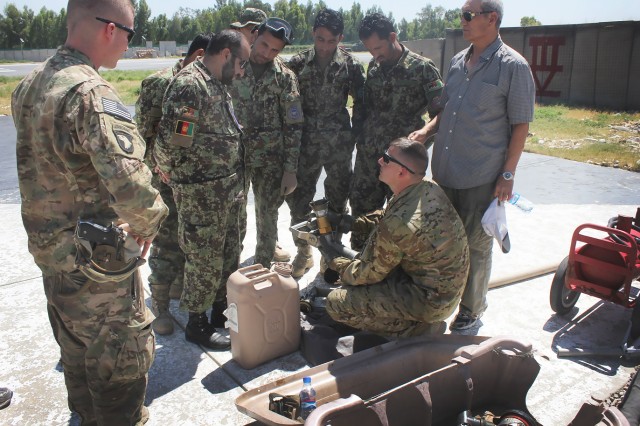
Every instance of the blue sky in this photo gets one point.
(549, 12)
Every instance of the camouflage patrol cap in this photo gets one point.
(250, 16)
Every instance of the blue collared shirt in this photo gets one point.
(480, 106)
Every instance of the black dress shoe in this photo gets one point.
(5, 397)
(199, 331)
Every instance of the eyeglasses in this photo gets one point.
(386, 158)
(468, 16)
(277, 25)
(122, 27)
(243, 64)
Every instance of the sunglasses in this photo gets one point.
(279, 25)
(122, 27)
(386, 158)
(468, 16)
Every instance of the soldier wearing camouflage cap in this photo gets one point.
(410, 276)
(198, 154)
(80, 156)
(400, 87)
(166, 259)
(248, 22)
(327, 75)
(269, 108)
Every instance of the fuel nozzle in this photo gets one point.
(321, 209)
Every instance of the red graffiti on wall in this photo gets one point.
(543, 62)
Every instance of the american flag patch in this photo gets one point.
(116, 109)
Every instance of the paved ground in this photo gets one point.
(189, 386)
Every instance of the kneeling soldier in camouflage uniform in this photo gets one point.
(166, 259)
(198, 155)
(410, 276)
(80, 156)
(327, 75)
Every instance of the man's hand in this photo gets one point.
(288, 184)
(166, 177)
(145, 244)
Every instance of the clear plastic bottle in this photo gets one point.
(522, 203)
(307, 398)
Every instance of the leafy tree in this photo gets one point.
(141, 23)
(529, 21)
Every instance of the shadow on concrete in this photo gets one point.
(595, 337)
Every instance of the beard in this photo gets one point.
(228, 71)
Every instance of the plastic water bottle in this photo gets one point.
(307, 398)
(521, 202)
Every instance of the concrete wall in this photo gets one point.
(432, 49)
(594, 65)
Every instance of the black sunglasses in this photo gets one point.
(468, 16)
(122, 27)
(386, 158)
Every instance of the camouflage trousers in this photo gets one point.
(265, 181)
(333, 151)
(166, 259)
(106, 345)
(367, 193)
(208, 236)
(392, 307)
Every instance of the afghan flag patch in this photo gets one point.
(184, 128)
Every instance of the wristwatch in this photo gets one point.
(507, 175)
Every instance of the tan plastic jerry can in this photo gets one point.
(263, 314)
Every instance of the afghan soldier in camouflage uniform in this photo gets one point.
(198, 154)
(410, 276)
(271, 115)
(248, 22)
(327, 75)
(80, 156)
(166, 260)
(400, 87)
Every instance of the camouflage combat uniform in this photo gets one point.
(166, 259)
(271, 115)
(328, 136)
(413, 268)
(80, 156)
(395, 100)
(198, 145)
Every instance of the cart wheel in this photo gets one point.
(562, 299)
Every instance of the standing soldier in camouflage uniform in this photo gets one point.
(166, 260)
(270, 111)
(414, 266)
(327, 75)
(80, 156)
(248, 22)
(401, 86)
(198, 155)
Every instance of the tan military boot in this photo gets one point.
(175, 291)
(280, 254)
(163, 324)
(302, 262)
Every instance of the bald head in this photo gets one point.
(413, 154)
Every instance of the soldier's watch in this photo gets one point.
(507, 175)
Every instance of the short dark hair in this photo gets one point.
(200, 42)
(414, 153)
(331, 20)
(375, 23)
(225, 39)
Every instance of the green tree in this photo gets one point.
(529, 21)
(141, 23)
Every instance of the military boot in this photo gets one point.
(280, 254)
(199, 331)
(217, 314)
(175, 291)
(302, 262)
(163, 324)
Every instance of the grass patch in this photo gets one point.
(586, 135)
